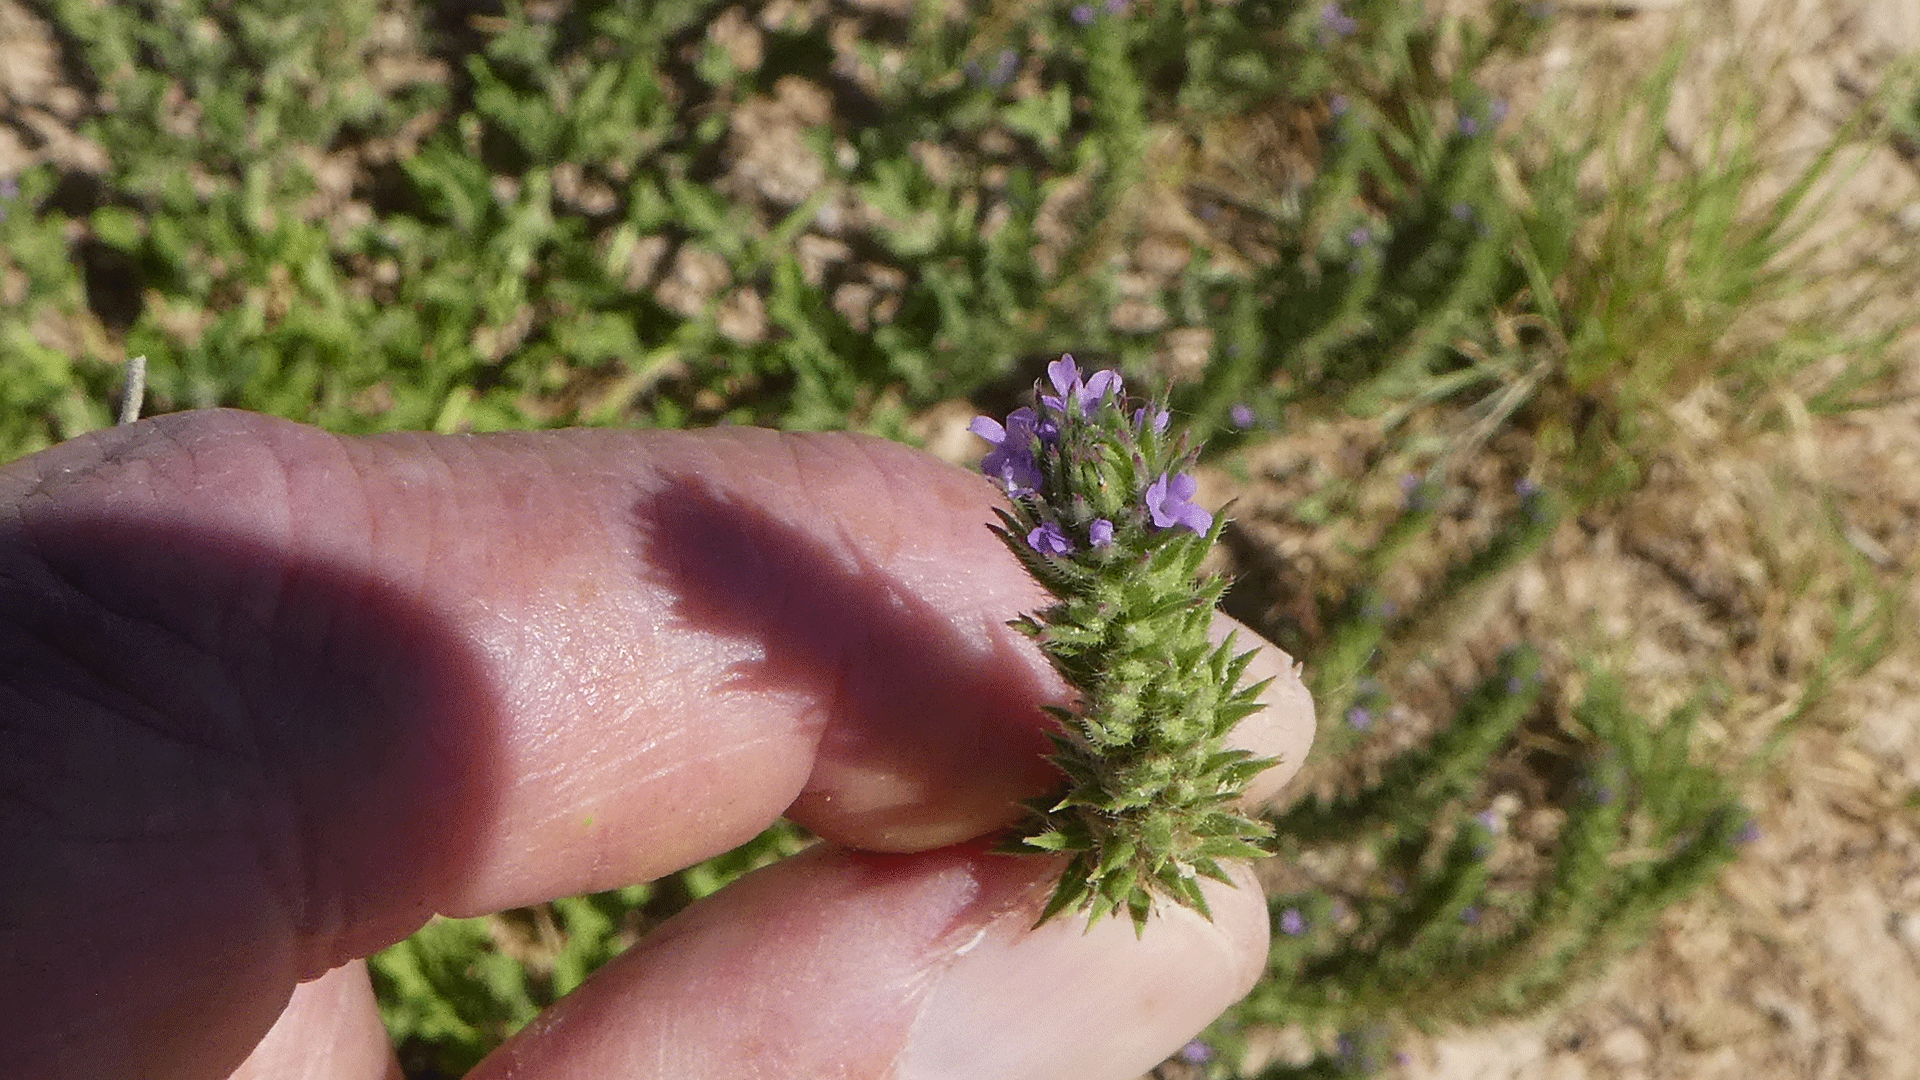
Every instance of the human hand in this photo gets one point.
(270, 698)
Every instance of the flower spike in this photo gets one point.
(1103, 517)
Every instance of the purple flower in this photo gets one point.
(1011, 459)
(1002, 72)
(1361, 236)
(1159, 421)
(1049, 540)
(1470, 124)
(1100, 533)
(1338, 105)
(1242, 415)
(1065, 376)
(1748, 833)
(1336, 22)
(1416, 492)
(1118, 7)
(1196, 1053)
(1170, 502)
(1470, 916)
(1359, 718)
(1292, 923)
(1083, 14)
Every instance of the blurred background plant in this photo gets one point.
(1299, 216)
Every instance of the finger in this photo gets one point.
(306, 690)
(606, 655)
(466, 674)
(836, 963)
(330, 1030)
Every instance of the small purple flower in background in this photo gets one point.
(1196, 1053)
(1489, 820)
(1083, 14)
(1100, 533)
(1470, 916)
(1242, 415)
(1338, 105)
(1049, 540)
(1359, 718)
(1748, 833)
(1416, 492)
(1335, 22)
(1470, 125)
(1360, 237)
(1169, 501)
(1525, 488)
(1292, 923)
(1118, 7)
(1004, 66)
(1011, 459)
(1462, 211)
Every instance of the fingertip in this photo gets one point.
(907, 967)
(1064, 1001)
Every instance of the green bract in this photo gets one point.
(1102, 517)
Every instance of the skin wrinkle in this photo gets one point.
(415, 476)
(286, 867)
(77, 598)
(306, 875)
(301, 870)
(839, 663)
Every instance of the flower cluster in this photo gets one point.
(1103, 517)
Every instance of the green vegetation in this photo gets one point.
(350, 214)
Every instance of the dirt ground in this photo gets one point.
(1804, 959)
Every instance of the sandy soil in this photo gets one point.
(1804, 959)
